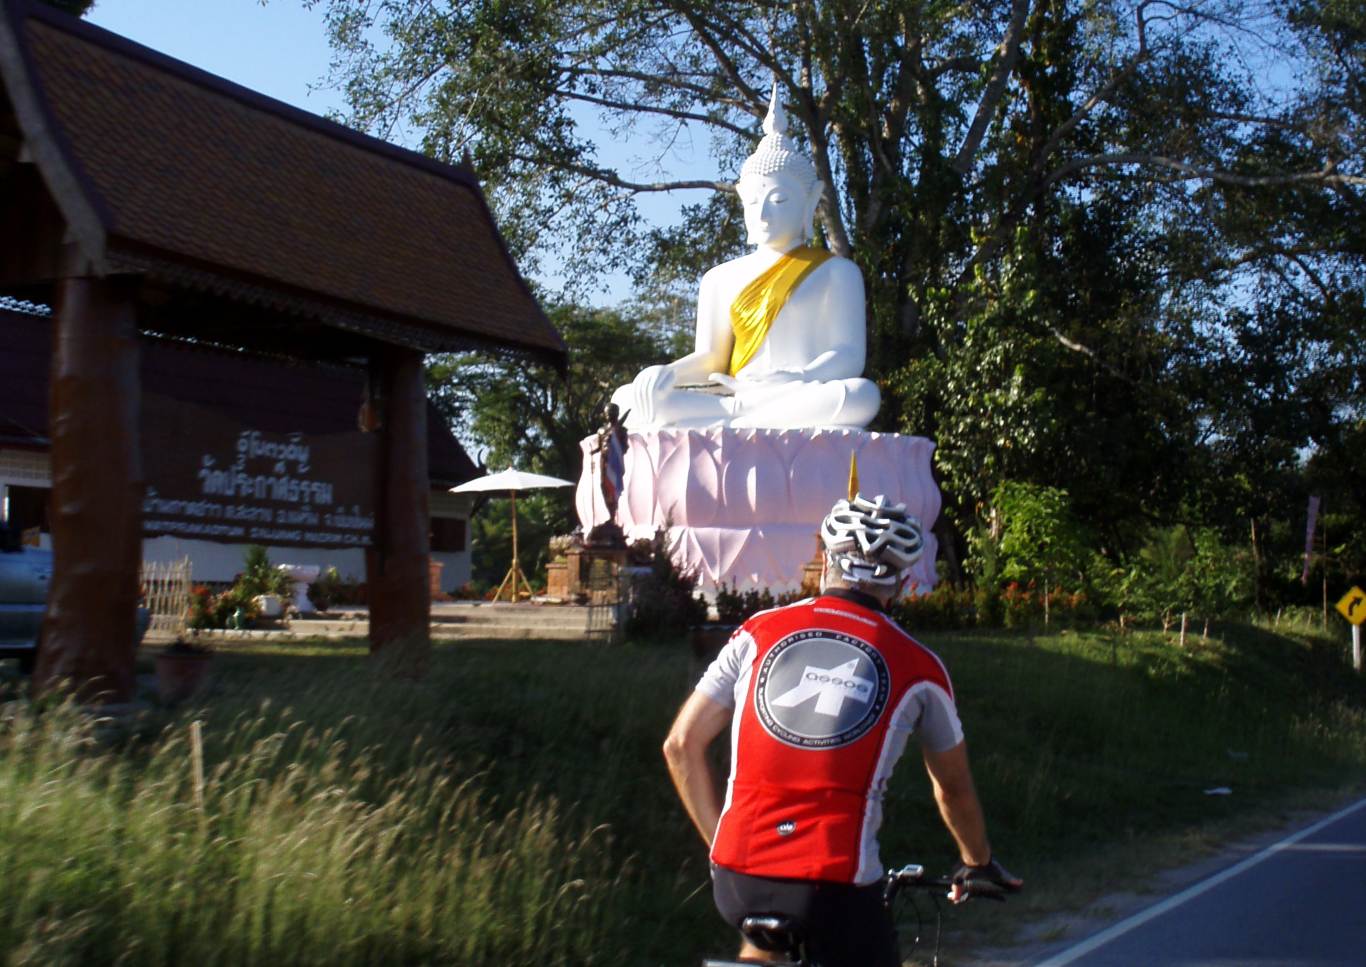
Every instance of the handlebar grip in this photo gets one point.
(984, 889)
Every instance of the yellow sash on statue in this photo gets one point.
(758, 304)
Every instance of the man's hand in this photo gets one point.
(991, 880)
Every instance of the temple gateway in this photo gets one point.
(144, 199)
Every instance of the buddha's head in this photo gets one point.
(778, 186)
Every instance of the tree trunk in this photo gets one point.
(1259, 566)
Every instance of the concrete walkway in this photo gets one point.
(450, 620)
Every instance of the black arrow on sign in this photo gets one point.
(1351, 608)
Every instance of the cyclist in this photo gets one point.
(822, 697)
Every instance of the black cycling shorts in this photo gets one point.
(844, 925)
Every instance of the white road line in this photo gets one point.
(1190, 893)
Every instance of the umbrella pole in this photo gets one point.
(516, 568)
(515, 571)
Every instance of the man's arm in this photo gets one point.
(958, 804)
(699, 721)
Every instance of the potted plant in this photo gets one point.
(181, 668)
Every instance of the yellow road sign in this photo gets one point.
(1353, 606)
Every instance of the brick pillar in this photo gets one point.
(97, 492)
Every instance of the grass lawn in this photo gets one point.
(512, 807)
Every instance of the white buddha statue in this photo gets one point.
(780, 332)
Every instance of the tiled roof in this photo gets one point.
(271, 395)
(202, 184)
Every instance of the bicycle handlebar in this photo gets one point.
(912, 876)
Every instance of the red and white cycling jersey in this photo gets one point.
(827, 692)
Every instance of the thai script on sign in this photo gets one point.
(252, 444)
(288, 454)
(210, 477)
(231, 483)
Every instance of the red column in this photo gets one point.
(400, 599)
(97, 491)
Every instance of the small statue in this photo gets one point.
(611, 459)
(780, 332)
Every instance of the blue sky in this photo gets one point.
(278, 48)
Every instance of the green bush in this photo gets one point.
(734, 607)
(664, 603)
(946, 607)
(259, 576)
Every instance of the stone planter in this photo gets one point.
(434, 569)
(181, 673)
(557, 580)
(270, 605)
(302, 575)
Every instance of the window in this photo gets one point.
(26, 507)
(448, 534)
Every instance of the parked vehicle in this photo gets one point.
(25, 573)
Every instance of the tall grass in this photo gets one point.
(512, 806)
(303, 853)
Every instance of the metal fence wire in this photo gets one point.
(166, 594)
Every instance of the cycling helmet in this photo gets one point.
(871, 542)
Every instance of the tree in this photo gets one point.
(1036, 539)
(1059, 206)
(530, 415)
(533, 417)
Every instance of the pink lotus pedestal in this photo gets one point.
(744, 505)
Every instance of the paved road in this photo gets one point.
(1299, 902)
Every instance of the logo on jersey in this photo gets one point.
(820, 689)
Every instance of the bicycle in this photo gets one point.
(783, 933)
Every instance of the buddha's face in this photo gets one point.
(778, 209)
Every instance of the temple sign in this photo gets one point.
(780, 332)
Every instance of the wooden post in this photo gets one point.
(397, 573)
(97, 492)
(197, 764)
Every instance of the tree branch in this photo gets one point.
(1327, 175)
(609, 177)
(675, 82)
(640, 108)
(722, 59)
(1106, 89)
(1006, 55)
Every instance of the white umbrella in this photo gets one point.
(511, 481)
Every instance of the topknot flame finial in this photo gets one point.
(776, 121)
(776, 151)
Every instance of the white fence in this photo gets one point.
(166, 594)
